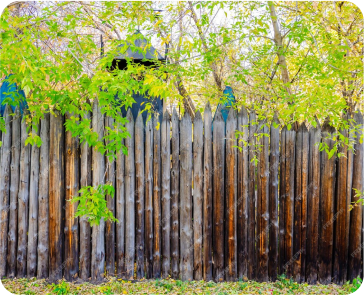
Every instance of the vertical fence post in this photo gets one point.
(85, 228)
(149, 199)
(71, 223)
(263, 226)
(157, 198)
(313, 203)
(110, 225)
(197, 195)
(139, 192)
(56, 194)
(120, 212)
(175, 197)
(218, 195)
(186, 234)
(273, 199)
(356, 216)
(98, 171)
(207, 195)
(130, 199)
(166, 194)
(328, 173)
(43, 219)
(300, 203)
(14, 189)
(5, 188)
(33, 208)
(242, 202)
(252, 196)
(344, 174)
(231, 197)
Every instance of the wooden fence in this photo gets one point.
(190, 204)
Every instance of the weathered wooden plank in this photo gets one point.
(98, 171)
(85, 228)
(166, 193)
(289, 199)
(110, 225)
(139, 194)
(297, 229)
(242, 194)
(313, 203)
(252, 196)
(263, 226)
(186, 230)
(197, 195)
(149, 199)
(207, 195)
(157, 228)
(282, 198)
(341, 211)
(349, 189)
(356, 216)
(43, 199)
(120, 211)
(300, 203)
(273, 199)
(33, 208)
(231, 197)
(327, 194)
(5, 187)
(129, 198)
(14, 189)
(175, 197)
(218, 195)
(56, 195)
(286, 215)
(72, 187)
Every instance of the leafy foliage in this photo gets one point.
(92, 203)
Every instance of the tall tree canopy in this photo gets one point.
(299, 59)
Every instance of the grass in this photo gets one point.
(170, 286)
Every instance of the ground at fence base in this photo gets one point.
(170, 286)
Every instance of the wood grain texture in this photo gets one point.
(157, 227)
(342, 209)
(85, 228)
(197, 195)
(356, 215)
(5, 187)
(207, 195)
(56, 196)
(252, 196)
(175, 197)
(98, 172)
(282, 198)
(263, 226)
(313, 203)
(139, 195)
(231, 197)
(289, 200)
(130, 199)
(327, 194)
(186, 230)
(33, 209)
(166, 193)
(120, 212)
(218, 196)
(300, 203)
(71, 229)
(110, 225)
(273, 199)
(149, 199)
(14, 189)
